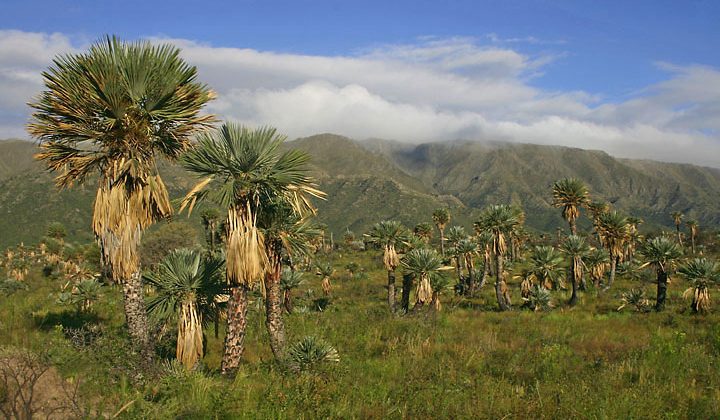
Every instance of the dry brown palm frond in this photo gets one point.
(189, 339)
(246, 256)
(391, 259)
(326, 286)
(424, 290)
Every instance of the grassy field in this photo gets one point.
(469, 360)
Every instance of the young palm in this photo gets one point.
(389, 234)
(570, 194)
(597, 262)
(662, 254)
(454, 236)
(499, 221)
(613, 228)
(423, 263)
(187, 287)
(545, 266)
(693, 226)
(467, 248)
(702, 272)
(575, 247)
(441, 217)
(289, 281)
(110, 112)
(242, 170)
(325, 270)
(286, 236)
(677, 219)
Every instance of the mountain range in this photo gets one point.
(371, 180)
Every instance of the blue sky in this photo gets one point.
(613, 73)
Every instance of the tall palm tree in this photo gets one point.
(242, 170)
(441, 217)
(614, 230)
(424, 263)
(596, 208)
(111, 111)
(702, 272)
(286, 235)
(693, 226)
(677, 219)
(570, 194)
(662, 254)
(424, 231)
(187, 287)
(575, 247)
(597, 262)
(545, 266)
(499, 220)
(389, 234)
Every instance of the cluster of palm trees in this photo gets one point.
(110, 113)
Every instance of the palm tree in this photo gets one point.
(485, 242)
(677, 219)
(423, 263)
(288, 281)
(467, 249)
(575, 248)
(661, 253)
(210, 217)
(110, 111)
(499, 220)
(693, 226)
(242, 170)
(424, 231)
(389, 234)
(325, 270)
(441, 217)
(187, 288)
(570, 194)
(286, 236)
(597, 262)
(454, 236)
(702, 272)
(545, 266)
(613, 228)
(596, 208)
(634, 236)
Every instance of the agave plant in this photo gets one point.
(538, 298)
(702, 273)
(310, 353)
(289, 281)
(187, 290)
(636, 299)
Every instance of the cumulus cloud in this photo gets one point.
(434, 89)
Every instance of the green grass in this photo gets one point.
(467, 361)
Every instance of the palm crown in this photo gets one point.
(570, 194)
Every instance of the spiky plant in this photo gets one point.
(499, 221)
(661, 253)
(289, 281)
(441, 217)
(597, 262)
(311, 353)
(575, 248)
(110, 111)
(571, 194)
(423, 263)
(545, 266)
(325, 270)
(187, 288)
(82, 295)
(389, 234)
(636, 299)
(242, 170)
(538, 298)
(702, 273)
(613, 228)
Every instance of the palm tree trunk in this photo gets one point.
(486, 271)
(500, 284)
(692, 243)
(679, 235)
(287, 301)
(391, 290)
(471, 277)
(405, 299)
(442, 242)
(573, 227)
(613, 266)
(573, 296)
(235, 334)
(662, 278)
(273, 311)
(136, 317)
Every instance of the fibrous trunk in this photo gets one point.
(189, 339)
(613, 266)
(235, 333)
(662, 278)
(407, 285)
(273, 310)
(391, 290)
(501, 291)
(136, 316)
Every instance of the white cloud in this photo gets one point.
(434, 89)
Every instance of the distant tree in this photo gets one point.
(571, 194)
(693, 226)
(661, 253)
(467, 248)
(575, 247)
(158, 243)
(110, 111)
(597, 262)
(441, 217)
(187, 287)
(677, 219)
(325, 270)
(57, 231)
(614, 230)
(702, 273)
(424, 231)
(211, 220)
(423, 263)
(454, 236)
(545, 266)
(389, 234)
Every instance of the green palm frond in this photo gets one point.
(290, 279)
(660, 252)
(571, 194)
(311, 353)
